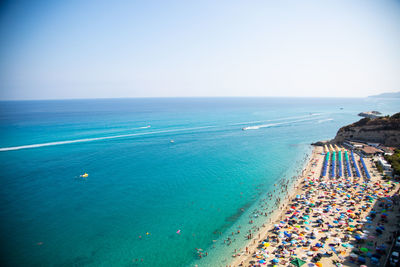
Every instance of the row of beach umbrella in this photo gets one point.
(365, 168)
(346, 157)
(333, 164)
(340, 163)
(325, 166)
(355, 165)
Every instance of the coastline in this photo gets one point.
(278, 214)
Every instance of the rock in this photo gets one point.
(370, 114)
(383, 130)
(321, 143)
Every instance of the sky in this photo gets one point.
(105, 49)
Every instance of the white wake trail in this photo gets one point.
(279, 119)
(256, 127)
(321, 121)
(99, 138)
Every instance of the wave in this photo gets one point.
(320, 121)
(99, 138)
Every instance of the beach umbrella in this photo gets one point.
(297, 262)
(275, 260)
(267, 244)
(374, 260)
(319, 264)
(353, 256)
(364, 249)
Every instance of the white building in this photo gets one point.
(385, 165)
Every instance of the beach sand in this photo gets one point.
(326, 217)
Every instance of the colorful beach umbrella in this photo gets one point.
(297, 262)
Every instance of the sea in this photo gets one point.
(168, 178)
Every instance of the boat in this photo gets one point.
(172, 141)
(84, 175)
(251, 128)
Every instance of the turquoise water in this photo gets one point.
(207, 182)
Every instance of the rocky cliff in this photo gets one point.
(385, 130)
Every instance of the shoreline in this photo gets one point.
(255, 217)
(277, 215)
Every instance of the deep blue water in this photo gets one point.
(140, 182)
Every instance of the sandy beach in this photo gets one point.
(327, 222)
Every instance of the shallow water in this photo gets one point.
(140, 182)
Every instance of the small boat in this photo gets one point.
(252, 127)
(172, 141)
(84, 175)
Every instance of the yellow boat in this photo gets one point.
(84, 175)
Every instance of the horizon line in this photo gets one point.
(157, 97)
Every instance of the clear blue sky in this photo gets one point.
(96, 49)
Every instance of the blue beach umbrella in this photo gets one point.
(375, 260)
